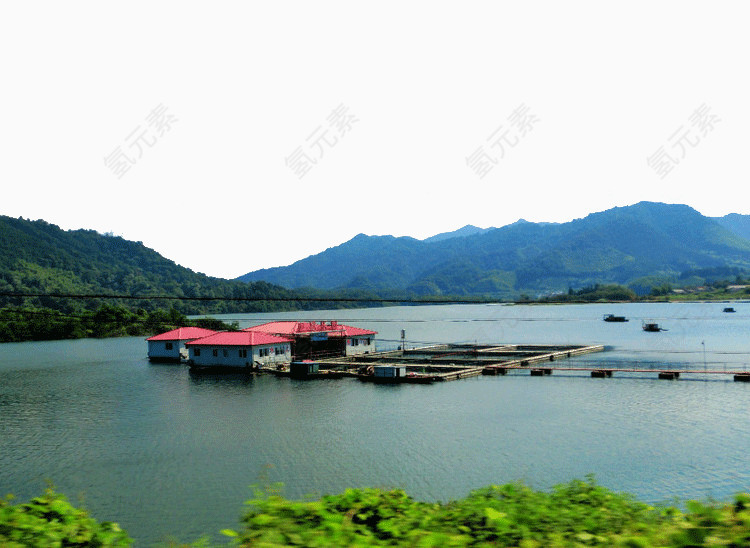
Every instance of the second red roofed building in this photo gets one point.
(315, 340)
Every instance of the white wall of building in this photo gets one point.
(161, 349)
(360, 345)
(240, 356)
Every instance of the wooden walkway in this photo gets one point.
(599, 372)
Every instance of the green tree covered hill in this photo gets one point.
(37, 257)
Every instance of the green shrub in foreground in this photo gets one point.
(50, 520)
(579, 513)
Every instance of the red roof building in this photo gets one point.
(333, 328)
(238, 338)
(313, 340)
(182, 334)
(169, 346)
(238, 349)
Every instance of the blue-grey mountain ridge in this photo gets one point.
(631, 245)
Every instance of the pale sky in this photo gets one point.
(234, 136)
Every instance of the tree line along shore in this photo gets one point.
(18, 324)
(30, 321)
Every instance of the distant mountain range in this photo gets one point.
(739, 224)
(628, 245)
(640, 245)
(468, 230)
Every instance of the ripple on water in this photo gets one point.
(162, 451)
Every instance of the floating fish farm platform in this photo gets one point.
(447, 362)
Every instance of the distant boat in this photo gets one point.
(652, 327)
(613, 318)
(729, 309)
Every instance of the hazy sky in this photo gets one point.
(233, 136)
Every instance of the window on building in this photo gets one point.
(355, 342)
(197, 352)
(226, 352)
(216, 352)
(169, 346)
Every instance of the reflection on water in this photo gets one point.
(165, 452)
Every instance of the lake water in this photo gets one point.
(167, 453)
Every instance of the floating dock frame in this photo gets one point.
(446, 362)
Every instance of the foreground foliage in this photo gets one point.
(579, 513)
(50, 520)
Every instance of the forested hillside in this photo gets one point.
(39, 258)
(644, 246)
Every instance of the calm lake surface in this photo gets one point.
(166, 453)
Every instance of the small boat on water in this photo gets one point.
(729, 309)
(389, 374)
(652, 327)
(305, 370)
(613, 318)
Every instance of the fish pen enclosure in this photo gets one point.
(454, 361)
